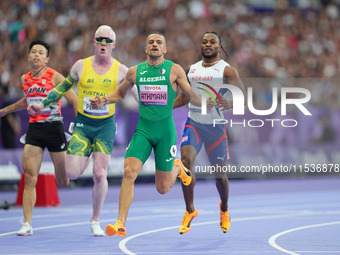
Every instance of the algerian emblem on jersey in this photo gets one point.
(173, 150)
(162, 71)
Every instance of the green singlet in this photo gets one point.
(156, 127)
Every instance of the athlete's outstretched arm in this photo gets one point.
(121, 76)
(182, 81)
(59, 91)
(119, 94)
(70, 95)
(21, 104)
(180, 100)
(231, 76)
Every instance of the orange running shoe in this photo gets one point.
(186, 222)
(225, 220)
(185, 174)
(116, 229)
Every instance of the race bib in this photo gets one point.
(103, 110)
(153, 94)
(38, 100)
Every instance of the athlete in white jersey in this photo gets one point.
(204, 76)
(203, 79)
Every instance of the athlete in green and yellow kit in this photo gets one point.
(157, 81)
(94, 131)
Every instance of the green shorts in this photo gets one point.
(159, 135)
(92, 135)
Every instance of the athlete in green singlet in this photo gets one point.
(157, 81)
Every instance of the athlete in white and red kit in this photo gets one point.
(204, 76)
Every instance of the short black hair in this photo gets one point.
(214, 33)
(43, 43)
(157, 33)
(219, 39)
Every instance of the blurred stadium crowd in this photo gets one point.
(263, 38)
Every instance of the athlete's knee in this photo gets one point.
(30, 180)
(72, 174)
(130, 174)
(162, 187)
(99, 175)
(186, 162)
(221, 180)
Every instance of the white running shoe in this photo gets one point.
(96, 229)
(25, 230)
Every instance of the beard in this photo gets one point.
(213, 55)
(154, 57)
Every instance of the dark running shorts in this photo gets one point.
(49, 134)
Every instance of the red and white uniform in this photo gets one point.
(203, 80)
(36, 90)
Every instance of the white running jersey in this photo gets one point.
(203, 80)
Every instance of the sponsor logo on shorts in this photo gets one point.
(173, 150)
(184, 139)
(62, 146)
(221, 158)
(169, 159)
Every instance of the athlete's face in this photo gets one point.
(155, 46)
(101, 46)
(210, 46)
(37, 56)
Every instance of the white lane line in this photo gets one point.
(318, 252)
(272, 239)
(146, 217)
(122, 244)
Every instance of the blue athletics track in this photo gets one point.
(276, 216)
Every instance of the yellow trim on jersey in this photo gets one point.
(92, 84)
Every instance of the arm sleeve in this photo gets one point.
(59, 91)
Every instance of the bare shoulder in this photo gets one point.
(230, 72)
(123, 68)
(22, 79)
(131, 74)
(177, 71)
(77, 69)
(177, 68)
(57, 78)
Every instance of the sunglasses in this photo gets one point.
(101, 39)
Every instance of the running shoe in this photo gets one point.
(25, 230)
(186, 222)
(116, 229)
(96, 229)
(225, 220)
(185, 174)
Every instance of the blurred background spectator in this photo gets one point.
(10, 124)
(264, 38)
